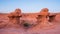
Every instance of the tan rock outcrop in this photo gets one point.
(14, 17)
(34, 23)
(43, 16)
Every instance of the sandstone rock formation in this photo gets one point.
(43, 16)
(44, 11)
(29, 23)
(14, 17)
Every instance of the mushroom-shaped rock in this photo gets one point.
(43, 16)
(44, 11)
(14, 17)
(17, 12)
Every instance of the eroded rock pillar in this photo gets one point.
(14, 17)
(43, 16)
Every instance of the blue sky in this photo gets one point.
(29, 5)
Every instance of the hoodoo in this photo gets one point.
(43, 16)
(14, 17)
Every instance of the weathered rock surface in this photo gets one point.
(30, 23)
